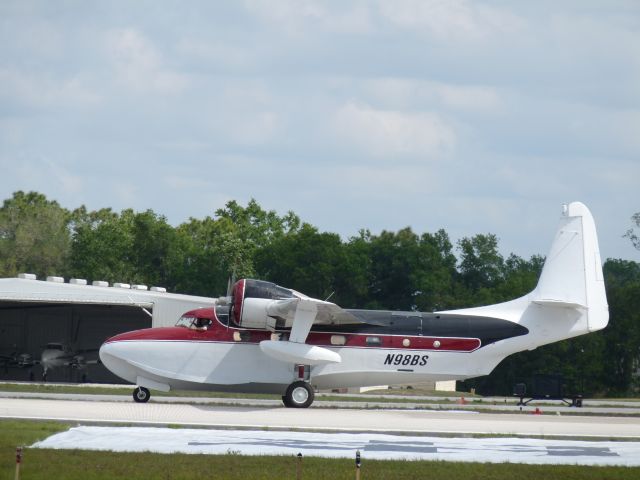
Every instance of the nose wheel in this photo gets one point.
(141, 395)
(298, 395)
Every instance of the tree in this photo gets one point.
(481, 268)
(33, 235)
(218, 248)
(395, 260)
(102, 245)
(306, 260)
(622, 355)
(631, 234)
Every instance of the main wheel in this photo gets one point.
(141, 395)
(298, 395)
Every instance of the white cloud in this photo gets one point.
(125, 193)
(44, 173)
(448, 20)
(215, 54)
(295, 16)
(176, 182)
(139, 65)
(532, 105)
(385, 181)
(44, 90)
(389, 133)
(407, 93)
(465, 97)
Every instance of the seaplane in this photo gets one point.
(271, 339)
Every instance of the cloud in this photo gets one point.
(44, 173)
(472, 97)
(383, 133)
(139, 65)
(38, 90)
(407, 93)
(296, 16)
(249, 129)
(214, 55)
(362, 113)
(450, 20)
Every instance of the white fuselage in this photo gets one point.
(203, 363)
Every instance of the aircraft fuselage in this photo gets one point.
(387, 348)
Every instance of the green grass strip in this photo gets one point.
(41, 464)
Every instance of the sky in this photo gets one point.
(472, 116)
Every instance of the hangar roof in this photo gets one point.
(20, 289)
(167, 307)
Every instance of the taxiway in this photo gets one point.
(420, 422)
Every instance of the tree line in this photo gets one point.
(401, 270)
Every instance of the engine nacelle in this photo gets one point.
(253, 306)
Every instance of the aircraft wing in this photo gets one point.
(261, 304)
(327, 313)
(303, 313)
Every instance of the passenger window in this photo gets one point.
(241, 336)
(374, 341)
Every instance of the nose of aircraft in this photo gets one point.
(114, 355)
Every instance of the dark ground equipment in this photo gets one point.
(546, 387)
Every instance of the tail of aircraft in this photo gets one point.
(570, 298)
(572, 274)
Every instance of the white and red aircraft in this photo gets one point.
(271, 339)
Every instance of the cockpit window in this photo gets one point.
(193, 323)
(185, 321)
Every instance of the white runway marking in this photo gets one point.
(372, 446)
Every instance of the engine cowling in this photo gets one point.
(251, 301)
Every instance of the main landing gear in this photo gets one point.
(298, 395)
(141, 395)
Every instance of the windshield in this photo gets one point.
(185, 321)
(193, 323)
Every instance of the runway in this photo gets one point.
(420, 422)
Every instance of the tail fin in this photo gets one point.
(570, 298)
(572, 273)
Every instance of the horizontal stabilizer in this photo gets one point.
(559, 303)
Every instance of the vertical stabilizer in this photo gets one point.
(572, 273)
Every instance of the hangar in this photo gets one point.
(76, 317)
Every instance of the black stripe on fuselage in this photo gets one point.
(447, 325)
(487, 329)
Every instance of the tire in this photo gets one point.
(298, 395)
(141, 395)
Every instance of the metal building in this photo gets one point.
(44, 316)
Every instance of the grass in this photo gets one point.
(40, 464)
